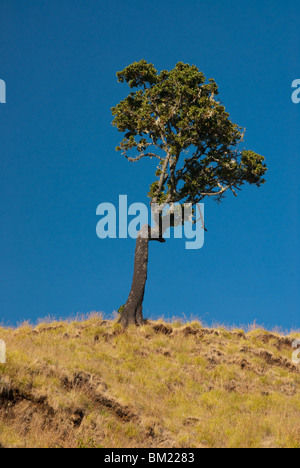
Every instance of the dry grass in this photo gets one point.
(91, 384)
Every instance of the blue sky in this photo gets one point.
(58, 161)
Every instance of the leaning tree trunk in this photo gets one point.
(132, 313)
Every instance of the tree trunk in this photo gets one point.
(132, 312)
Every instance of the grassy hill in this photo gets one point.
(92, 384)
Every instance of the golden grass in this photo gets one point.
(89, 383)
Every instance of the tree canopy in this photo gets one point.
(175, 117)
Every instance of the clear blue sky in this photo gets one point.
(59, 59)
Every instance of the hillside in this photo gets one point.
(92, 384)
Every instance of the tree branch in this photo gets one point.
(142, 155)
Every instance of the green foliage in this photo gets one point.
(174, 116)
(87, 444)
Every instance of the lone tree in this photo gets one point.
(174, 117)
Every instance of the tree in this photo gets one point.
(175, 118)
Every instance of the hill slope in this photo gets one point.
(92, 384)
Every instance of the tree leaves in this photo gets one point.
(174, 116)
